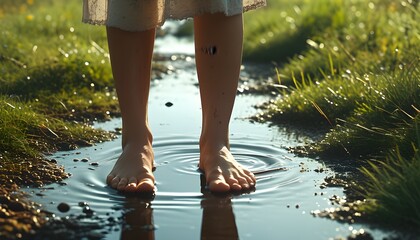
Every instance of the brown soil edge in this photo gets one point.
(21, 218)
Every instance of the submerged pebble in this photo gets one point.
(83, 204)
(88, 211)
(63, 207)
(169, 104)
(85, 160)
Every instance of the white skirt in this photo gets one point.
(139, 15)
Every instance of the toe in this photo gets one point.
(122, 184)
(109, 178)
(243, 180)
(217, 182)
(114, 182)
(146, 185)
(244, 183)
(234, 184)
(219, 186)
(251, 175)
(132, 182)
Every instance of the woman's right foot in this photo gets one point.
(133, 171)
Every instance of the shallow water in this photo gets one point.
(279, 208)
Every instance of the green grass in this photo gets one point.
(356, 74)
(349, 65)
(393, 191)
(54, 79)
(281, 30)
(367, 88)
(26, 134)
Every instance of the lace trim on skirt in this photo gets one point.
(138, 15)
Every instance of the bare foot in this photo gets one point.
(133, 171)
(223, 173)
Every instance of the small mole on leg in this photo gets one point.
(210, 50)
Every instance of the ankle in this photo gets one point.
(213, 144)
(140, 136)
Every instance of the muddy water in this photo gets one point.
(279, 208)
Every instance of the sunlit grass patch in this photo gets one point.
(361, 81)
(385, 118)
(282, 29)
(354, 69)
(26, 134)
(360, 36)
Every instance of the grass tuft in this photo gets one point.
(393, 189)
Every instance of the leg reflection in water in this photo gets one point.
(218, 219)
(138, 220)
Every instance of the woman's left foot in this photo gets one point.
(223, 173)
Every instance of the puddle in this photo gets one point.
(280, 208)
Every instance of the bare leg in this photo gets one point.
(218, 48)
(131, 55)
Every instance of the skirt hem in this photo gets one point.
(179, 16)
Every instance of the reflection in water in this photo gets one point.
(218, 222)
(138, 219)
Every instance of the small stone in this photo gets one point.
(85, 160)
(169, 104)
(75, 160)
(63, 207)
(83, 204)
(297, 206)
(95, 164)
(88, 211)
